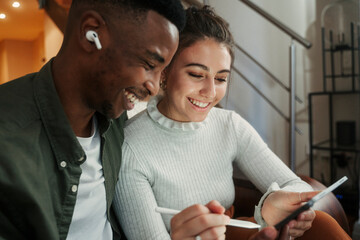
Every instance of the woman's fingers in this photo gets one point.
(215, 207)
(211, 225)
(187, 214)
(280, 204)
(307, 215)
(302, 223)
(213, 233)
(206, 221)
(306, 196)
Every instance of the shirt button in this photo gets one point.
(63, 164)
(74, 188)
(81, 159)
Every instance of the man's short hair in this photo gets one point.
(170, 9)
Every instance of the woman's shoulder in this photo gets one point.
(137, 123)
(229, 119)
(225, 115)
(134, 118)
(220, 112)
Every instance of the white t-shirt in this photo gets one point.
(89, 219)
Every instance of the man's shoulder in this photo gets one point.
(115, 133)
(17, 103)
(16, 85)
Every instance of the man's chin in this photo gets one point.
(117, 114)
(110, 112)
(129, 105)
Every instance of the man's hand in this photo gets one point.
(207, 221)
(280, 204)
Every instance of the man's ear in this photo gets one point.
(93, 32)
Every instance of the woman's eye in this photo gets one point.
(221, 79)
(195, 75)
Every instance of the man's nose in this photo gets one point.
(153, 83)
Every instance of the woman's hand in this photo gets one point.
(207, 221)
(280, 204)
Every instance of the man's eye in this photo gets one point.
(195, 75)
(149, 66)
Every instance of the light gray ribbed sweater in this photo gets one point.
(175, 165)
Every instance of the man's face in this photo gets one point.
(130, 68)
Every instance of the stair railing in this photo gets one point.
(292, 66)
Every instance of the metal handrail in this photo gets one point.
(281, 84)
(277, 23)
(260, 93)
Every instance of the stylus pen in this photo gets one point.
(166, 211)
(233, 222)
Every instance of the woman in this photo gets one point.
(181, 150)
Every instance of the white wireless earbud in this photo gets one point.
(93, 37)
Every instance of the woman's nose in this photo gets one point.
(208, 89)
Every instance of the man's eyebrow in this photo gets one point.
(155, 56)
(205, 67)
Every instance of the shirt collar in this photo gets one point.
(168, 123)
(61, 136)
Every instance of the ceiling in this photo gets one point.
(23, 23)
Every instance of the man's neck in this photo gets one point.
(81, 126)
(66, 84)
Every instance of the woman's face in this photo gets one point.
(196, 81)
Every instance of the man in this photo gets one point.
(60, 151)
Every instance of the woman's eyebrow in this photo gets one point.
(205, 67)
(197, 65)
(224, 71)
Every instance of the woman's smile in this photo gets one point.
(199, 104)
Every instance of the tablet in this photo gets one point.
(310, 203)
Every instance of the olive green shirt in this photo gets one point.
(40, 160)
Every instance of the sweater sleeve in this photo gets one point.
(261, 166)
(134, 201)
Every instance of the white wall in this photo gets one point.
(53, 38)
(269, 46)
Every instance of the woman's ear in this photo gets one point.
(163, 73)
